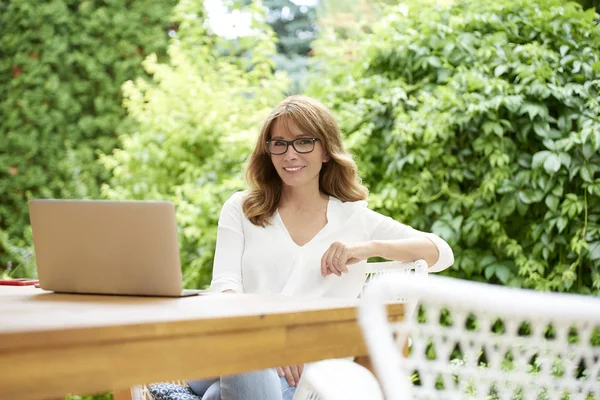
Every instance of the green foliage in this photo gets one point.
(481, 122)
(191, 129)
(62, 63)
(590, 3)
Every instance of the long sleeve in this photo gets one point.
(386, 228)
(227, 268)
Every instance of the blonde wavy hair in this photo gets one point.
(338, 177)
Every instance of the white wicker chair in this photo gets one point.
(304, 391)
(501, 343)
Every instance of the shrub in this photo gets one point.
(480, 121)
(192, 128)
(61, 66)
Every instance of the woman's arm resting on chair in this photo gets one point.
(339, 255)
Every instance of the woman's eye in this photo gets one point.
(304, 141)
(278, 143)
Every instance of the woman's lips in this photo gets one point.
(293, 170)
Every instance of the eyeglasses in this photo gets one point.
(301, 145)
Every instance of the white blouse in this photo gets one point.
(265, 260)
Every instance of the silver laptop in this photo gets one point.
(107, 247)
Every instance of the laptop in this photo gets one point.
(107, 247)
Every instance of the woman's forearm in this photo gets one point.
(406, 250)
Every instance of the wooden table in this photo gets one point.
(52, 344)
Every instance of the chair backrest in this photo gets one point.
(392, 267)
(381, 270)
(481, 341)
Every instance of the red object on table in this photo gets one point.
(19, 282)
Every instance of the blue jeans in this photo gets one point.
(256, 385)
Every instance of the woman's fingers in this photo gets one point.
(288, 376)
(295, 374)
(338, 258)
(292, 373)
(335, 259)
(326, 265)
(331, 253)
(324, 268)
(341, 259)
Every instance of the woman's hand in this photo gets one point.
(339, 255)
(292, 373)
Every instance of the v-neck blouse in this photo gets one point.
(277, 219)
(266, 260)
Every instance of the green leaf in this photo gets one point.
(434, 62)
(513, 103)
(568, 278)
(567, 59)
(500, 70)
(507, 205)
(503, 273)
(552, 163)
(444, 230)
(529, 196)
(594, 250)
(539, 158)
(565, 159)
(596, 139)
(561, 223)
(573, 172)
(489, 271)
(468, 265)
(457, 223)
(588, 150)
(550, 144)
(558, 190)
(493, 126)
(534, 110)
(541, 129)
(487, 260)
(587, 173)
(443, 74)
(552, 202)
(473, 233)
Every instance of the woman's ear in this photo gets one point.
(326, 158)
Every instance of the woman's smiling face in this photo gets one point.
(297, 169)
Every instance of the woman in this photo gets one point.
(303, 228)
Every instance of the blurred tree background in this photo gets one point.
(191, 128)
(477, 120)
(295, 26)
(62, 64)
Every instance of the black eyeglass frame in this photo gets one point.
(291, 142)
